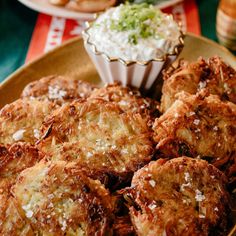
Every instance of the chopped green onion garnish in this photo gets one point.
(141, 19)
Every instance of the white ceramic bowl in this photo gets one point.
(139, 74)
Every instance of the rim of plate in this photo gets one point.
(168, 3)
(22, 68)
(39, 5)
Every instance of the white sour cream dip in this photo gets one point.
(116, 43)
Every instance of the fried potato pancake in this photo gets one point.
(13, 160)
(98, 135)
(21, 120)
(17, 157)
(58, 88)
(59, 199)
(182, 196)
(199, 125)
(129, 100)
(214, 75)
(11, 219)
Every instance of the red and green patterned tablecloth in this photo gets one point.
(25, 35)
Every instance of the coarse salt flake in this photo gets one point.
(188, 180)
(56, 92)
(50, 196)
(202, 84)
(199, 196)
(29, 214)
(18, 135)
(152, 183)
(26, 207)
(123, 103)
(124, 151)
(89, 154)
(64, 225)
(192, 113)
(196, 122)
(32, 98)
(186, 201)
(226, 86)
(152, 206)
(187, 177)
(36, 133)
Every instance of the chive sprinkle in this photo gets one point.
(141, 19)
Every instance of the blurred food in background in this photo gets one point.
(84, 5)
(92, 6)
(148, 1)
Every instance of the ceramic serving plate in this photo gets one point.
(166, 3)
(45, 7)
(71, 60)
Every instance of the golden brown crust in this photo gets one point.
(21, 120)
(99, 136)
(59, 199)
(13, 160)
(58, 88)
(199, 125)
(105, 139)
(129, 100)
(11, 219)
(17, 157)
(183, 196)
(214, 75)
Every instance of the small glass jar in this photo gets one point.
(226, 23)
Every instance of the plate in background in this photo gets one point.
(44, 6)
(166, 3)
